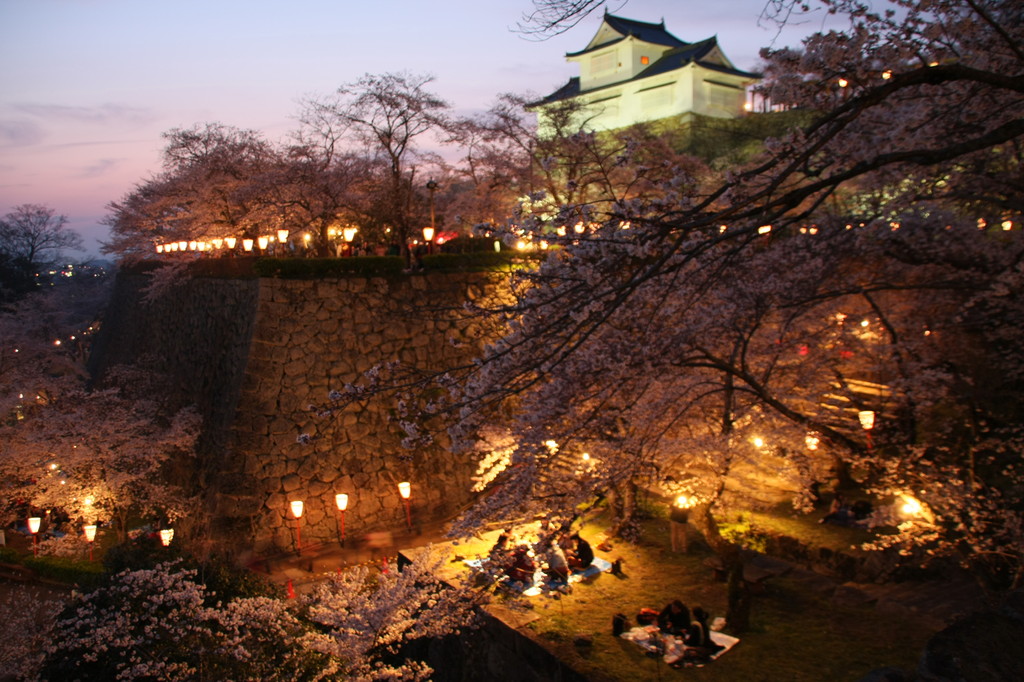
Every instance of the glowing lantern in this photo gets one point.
(497, 246)
(247, 244)
(296, 506)
(263, 242)
(349, 233)
(843, 82)
(428, 234)
(217, 243)
(911, 507)
(182, 246)
(159, 248)
(166, 535)
(867, 419)
(192, 245)
(230, 242)
(282, 236)
(812, 441)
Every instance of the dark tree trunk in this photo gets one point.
(737, 615)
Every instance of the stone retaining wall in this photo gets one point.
(255, 354)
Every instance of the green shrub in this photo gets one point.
(743, 532)
(318, 268)
(65, 570)
(480, 260)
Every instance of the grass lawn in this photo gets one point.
(795, 634)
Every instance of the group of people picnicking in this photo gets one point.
(557, 551)
(676, 620)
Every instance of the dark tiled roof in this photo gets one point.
(694, 52)
(570, 89)
(670, 61)
(647, 32)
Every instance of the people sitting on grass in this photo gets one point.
(674, 619)
(843, 514)
(698, 640)
(557, 566)
(581, 554)
(521, 567)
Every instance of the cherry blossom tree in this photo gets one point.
(165, 623)
(210, 186)
(386, 115)
(708, 323)
(372, 618)
(96, 453)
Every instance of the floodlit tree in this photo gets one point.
(705, 324)
(32, 238)
(321, 188)
(386, 114)
(165, 623)
(374, 619)
(211, 185)
(100, 455)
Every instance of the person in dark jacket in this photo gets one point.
(582, 554)
(674, 618)
(698, 637)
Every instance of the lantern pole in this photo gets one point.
(432, 187)
(296, 508)
(90, 537)
(867, 422)
(33, 527)
(341, 500)
(405, 490)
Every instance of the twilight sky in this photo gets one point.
(88, 86)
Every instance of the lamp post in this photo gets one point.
(867, 422)
(428, 237)
(90, 537)
(341, 499)
(33, 527)
(296, 507)
(405, 490)
(166, 535)
(679, 517)
(431, 187)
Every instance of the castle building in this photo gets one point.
(633, 71)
